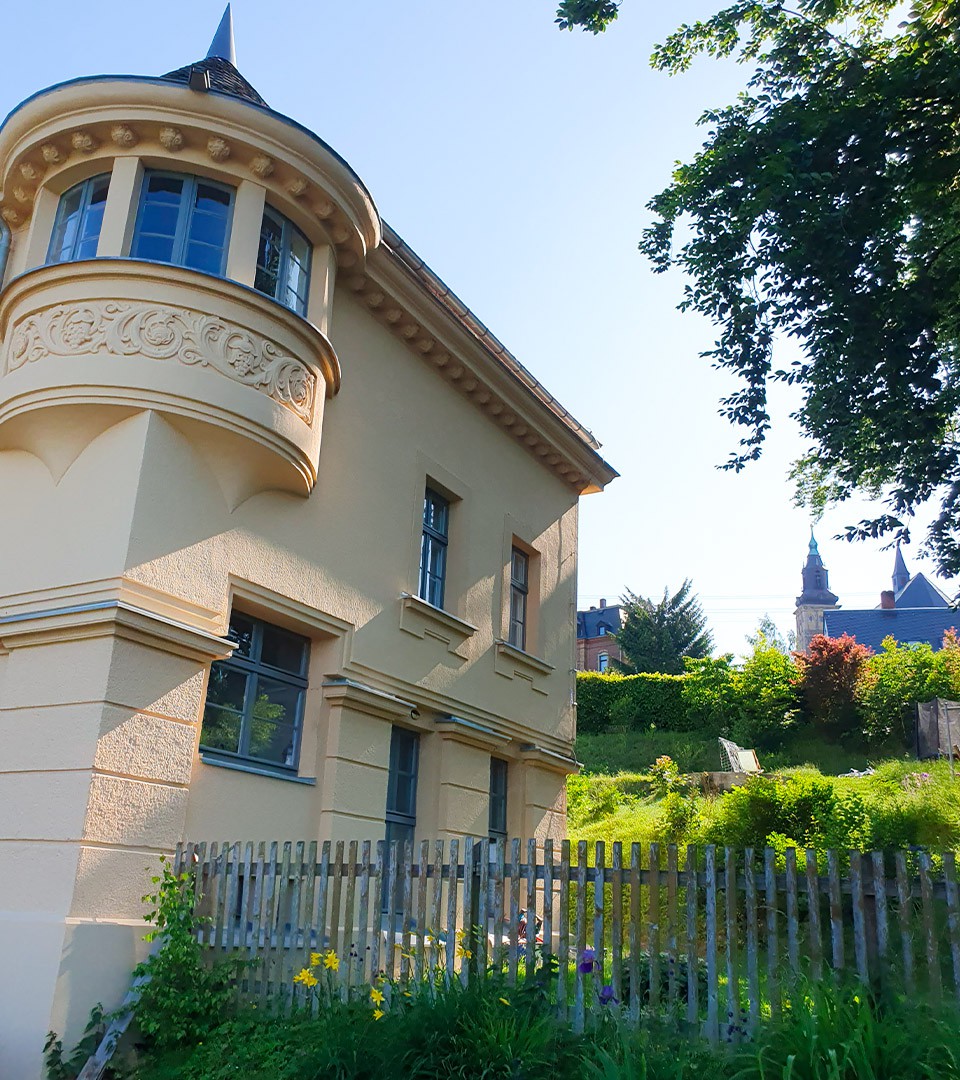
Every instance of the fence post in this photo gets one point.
(713, 1032)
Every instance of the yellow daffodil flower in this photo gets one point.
(306, 978)
(331, 961)
(376, 996)
(315, 959)
(377, 1014)
(503, 1001)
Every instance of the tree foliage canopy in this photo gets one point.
(824, 207)
(658, 636)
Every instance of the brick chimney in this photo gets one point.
(887, 600)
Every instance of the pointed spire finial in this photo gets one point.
(901, 575)
(223, 45)
(814, 550)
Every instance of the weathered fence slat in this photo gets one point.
(693, 955)
(616, 921)
(363, 918)
(513, 926)
(815, 934)
(934, 983)
(634, 933)
(349, 936)
(564, 939)
(773, 943)
(530, 920)
(653, 926)
(672, 918)
(880, 910)
(904, 903)
(548, 899)
(581, 934)
(753, 968)
(451, 927)
(953, 915)
(713, 1010)
(859, 917)
(730, 910)
(836, 910)
(793, 911)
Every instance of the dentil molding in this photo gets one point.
(165, 333)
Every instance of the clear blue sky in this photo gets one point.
(517, 160)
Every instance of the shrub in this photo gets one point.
(829, 674)
(629, 702)
(894, 680)
(709, 694)
(767, 697)
(183, 999)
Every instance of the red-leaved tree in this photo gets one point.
(829, 672)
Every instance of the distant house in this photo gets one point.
(913, 611)
(596, 646)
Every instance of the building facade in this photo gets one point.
(289, 544)
(596, 644)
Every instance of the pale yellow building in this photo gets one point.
(289, 539)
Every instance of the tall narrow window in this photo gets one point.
(76, 232)
(401, 816)
(519, 587)
(498, 799)
(603, 661)
(184, 220)
(254, 706)
(283, 262)
(433, 548)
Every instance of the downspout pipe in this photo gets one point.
(5, 238)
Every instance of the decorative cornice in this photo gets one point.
(164, 333)
(459, 730)
(344, 693)
(112, 618)
(460, 355)
(548, 759)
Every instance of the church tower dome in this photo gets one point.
(815, 597)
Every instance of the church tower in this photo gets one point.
(814, 599)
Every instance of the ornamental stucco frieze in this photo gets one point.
(165, 333)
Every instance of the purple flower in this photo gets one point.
(588, 962)
(606, 996)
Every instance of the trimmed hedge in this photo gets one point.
(630, 702)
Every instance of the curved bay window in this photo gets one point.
(184, 220)
(254, 707)
(76, 231)
(283, 262)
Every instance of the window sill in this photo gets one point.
(257, 770)
(421, 619)
(509, 658)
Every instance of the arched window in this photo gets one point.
(184, 220)
(603, 661)
(283, 262)
(76, 231)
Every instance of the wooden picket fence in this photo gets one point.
(713, 938)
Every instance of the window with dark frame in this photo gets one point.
(253, 713)
(433, 547)
(498, 799)
(183, 220)
(283, 262)
(76, 231)
(401, 813)
(519, 587)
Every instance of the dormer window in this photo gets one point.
(184, 220)
(283, 262)
(76, 232)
